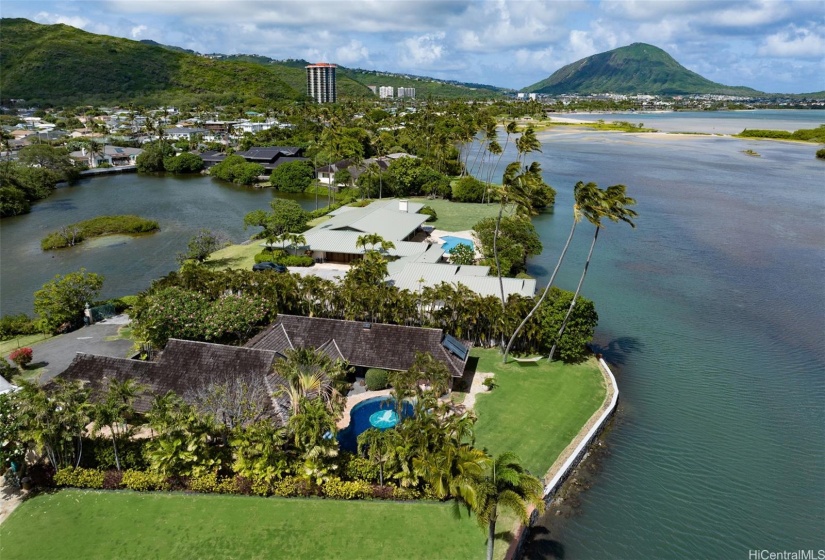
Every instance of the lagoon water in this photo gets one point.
(712, 311)
(181, 205)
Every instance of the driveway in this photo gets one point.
(55, 354)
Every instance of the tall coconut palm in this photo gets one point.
(505, 485)
(612, 204)
(584, 197)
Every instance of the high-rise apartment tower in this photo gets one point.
(321, 82)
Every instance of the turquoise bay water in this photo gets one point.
(713, 312)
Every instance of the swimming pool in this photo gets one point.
(360, 419)
(451, 241)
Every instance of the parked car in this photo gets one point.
(266, 265)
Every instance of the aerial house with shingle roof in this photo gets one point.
(363, 345)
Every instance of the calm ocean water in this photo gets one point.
(713, 311)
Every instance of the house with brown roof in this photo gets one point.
(183, 367)
(363, 345)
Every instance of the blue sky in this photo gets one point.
(769, 45)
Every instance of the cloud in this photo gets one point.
(795, 42)
(50, 18)
(353, 52)
(423, 50)
(137, 31)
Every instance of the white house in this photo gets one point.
(112, 155)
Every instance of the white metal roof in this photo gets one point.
(409, 276)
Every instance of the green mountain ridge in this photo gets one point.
(59, 64)
(637, 68)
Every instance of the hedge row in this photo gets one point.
(280, 257)
(287, 487)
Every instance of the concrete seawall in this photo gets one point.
(572, 455)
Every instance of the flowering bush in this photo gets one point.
(22, 357)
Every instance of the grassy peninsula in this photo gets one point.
(73, 234)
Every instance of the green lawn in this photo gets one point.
(235, 256)
(89, 524)
(7, 346)
(458, 216)
(537, 409)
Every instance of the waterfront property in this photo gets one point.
(326, 173)
(413, 275)
(269, 157)
(363, 345)
(110, 155)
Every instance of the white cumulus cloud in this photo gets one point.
(795, 42)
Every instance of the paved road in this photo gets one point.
(57, 353)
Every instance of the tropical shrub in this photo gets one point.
(61, 301)
(22, 357)
(429, 211)
(338, 489)
(151, 159)
(360, 468)
(236, 169)
(141, 481)
(207, 483)
(79, 477)
(490, 383)
(292, 486)
(580, 328)
(376, 379)
(296, 260)
(16, 325)
(462, 254)
(405, 494)
(112, 479)
(99, 453)
(468, 189)
(293, 177)
(269, 255)
(820, 154)
(183, 163)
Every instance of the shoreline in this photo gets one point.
(573, 455)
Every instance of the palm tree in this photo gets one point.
(505, 485)
(373, 240)
(115, 410)
(584, 196)
(611, 204)
(310, 375)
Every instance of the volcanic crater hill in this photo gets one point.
(636, 68)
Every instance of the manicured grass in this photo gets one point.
(458, 216)
(235, 256)
(8, 346)
(123, 525)
(537, 409)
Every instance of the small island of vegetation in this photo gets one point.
(71, 235)
(803, 134)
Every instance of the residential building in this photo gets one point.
(412, 275)
(385, 92)
(363, 345)
(336, 240)
(321, 82)
(406, 92)
(111, 155)
(270, 157)
(184, 133)
(326, 174)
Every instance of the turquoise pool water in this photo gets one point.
(451, 241)
(360, 419)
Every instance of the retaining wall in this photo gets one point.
(571, 456)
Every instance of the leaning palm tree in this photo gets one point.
(584, 197)
(505, 485)
(611, 204)
(116, 409)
